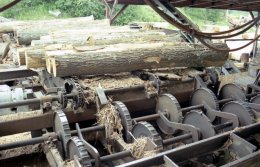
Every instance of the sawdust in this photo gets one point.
(18, 151)
(109, 82)
(18, 137)
(137, 148)
(20, 115)
(109, 117)
(226, 146)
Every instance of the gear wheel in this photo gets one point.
(72, 86)
(244, 113)
(200, 121)
(205, 95)
(256, 99)
(76, 147)
(63, 99)
(126, 120)
(145, 129)
(62, 129)
(232, 90)
(169, 104)
(79, 98)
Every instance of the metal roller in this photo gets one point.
(168, 104)
(145, 129)
(205, 96)
(126, 120)
(62, 129)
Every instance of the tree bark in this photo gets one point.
(24, 36)
(130, 57)
(105, 38)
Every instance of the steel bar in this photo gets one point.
(41, 122)
(177, 139)
(217, 4)
(222, 126)
(192, 108)
(14, 73)
(89, 129)
(9, 5)
(32, 141)
(115, 156)
(225, 100)
(31, 101)
(195, 149)
(20, 103)
(147, 118)
(249, 160)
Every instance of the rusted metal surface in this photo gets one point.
(195, 149)
(9, 5)
(252, 5)
(14, 73)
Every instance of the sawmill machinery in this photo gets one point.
(148, 117)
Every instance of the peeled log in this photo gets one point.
(36, 58)
(21, 56)
(130, 57)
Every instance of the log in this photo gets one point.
(24, 36)
(21, 56)
(130, 57)
(35, 60)
(10, 27)
(99, 41)
(108, 39)
(4, 49)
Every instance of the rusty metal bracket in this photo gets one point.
(91, 150)
(188, 128)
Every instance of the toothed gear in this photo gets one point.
(244, 113)
(169, 104)
(208, 97)
(62, 129)
(145, 129)
(72, 86)
(76, 146)
(232, 90)
(256, 99)
(200, 121)
(79, 98)
(63, 99)
(126, 119)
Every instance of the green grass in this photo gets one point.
(20, 12)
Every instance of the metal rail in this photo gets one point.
(195, 149)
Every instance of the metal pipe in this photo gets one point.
(225, 100)
(32, 101)
(222, 126)
(36, 140)
(115, 156)
(192, 108)
(147, 118)
(19, 103)
(177, 139)
(90, 129)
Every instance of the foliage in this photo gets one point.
(82, 8)
(202, 16)
(39, 9)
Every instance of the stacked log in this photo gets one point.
(80, 46)
(130, 57)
